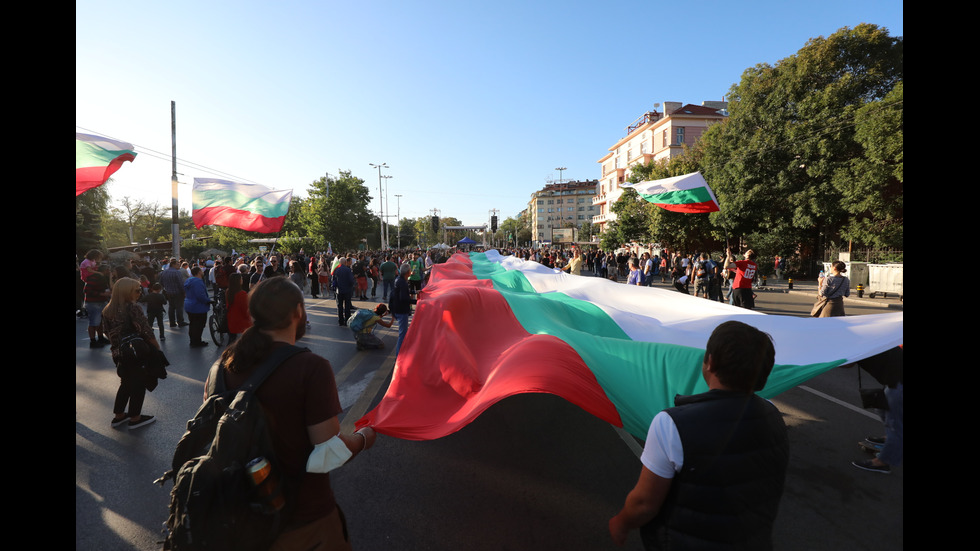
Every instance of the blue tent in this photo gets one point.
(466, 241)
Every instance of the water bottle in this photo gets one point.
(265, 481)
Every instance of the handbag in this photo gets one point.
(872, 398)
(818, 307)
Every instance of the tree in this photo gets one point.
(336, 212)
(91, 209)
(872, 189)
(632, 217)
(782, 163)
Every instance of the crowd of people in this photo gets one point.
(264, 295)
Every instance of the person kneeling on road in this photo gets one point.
(365, 336)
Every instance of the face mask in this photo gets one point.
(327, 456)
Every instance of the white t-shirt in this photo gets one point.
(663, 452)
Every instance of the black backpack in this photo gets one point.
(214, 504)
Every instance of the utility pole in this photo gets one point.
(381, 201)
(398, 220)
(174, 227)
(385, 218)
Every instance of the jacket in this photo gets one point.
(726, 495)
(196, 299)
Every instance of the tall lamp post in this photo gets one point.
(398, 220)
(381, 203)
(385, 218)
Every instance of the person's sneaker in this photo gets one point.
(869, 465)
(95, 344)
(103, 340)
(875, 440)
(143, 420)
(116, 423)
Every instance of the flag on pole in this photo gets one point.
(688, 193)
(488, 326)
(97, 158)
(248, 207)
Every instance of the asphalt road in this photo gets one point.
(532, 473)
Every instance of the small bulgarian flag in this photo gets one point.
(98, 158)
(688, 193)
(489, 326)
(248, 207)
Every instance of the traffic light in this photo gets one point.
(435, 223)
(493, 223)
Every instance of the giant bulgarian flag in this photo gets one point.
(688, 193)
(489, 326)
(98, 158)
(249, 207)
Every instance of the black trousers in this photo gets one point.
(196, 329)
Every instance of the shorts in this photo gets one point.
(94, 311)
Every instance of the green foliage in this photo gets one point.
(336, 212)
(91, 208)
(632, 217)
(786, 161)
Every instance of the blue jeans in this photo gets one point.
(388, 285)
(402, 330)
(894, 418)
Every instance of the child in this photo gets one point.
(155, 300)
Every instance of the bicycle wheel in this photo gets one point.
(219, 337)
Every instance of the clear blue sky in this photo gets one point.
(472, 104)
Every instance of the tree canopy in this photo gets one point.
(811, 153)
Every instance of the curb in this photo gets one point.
(812, 292)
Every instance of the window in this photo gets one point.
(680, 134)
(665, 137)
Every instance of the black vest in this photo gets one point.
(727, 493)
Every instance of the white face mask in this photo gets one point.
(327, 456)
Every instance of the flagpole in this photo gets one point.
(175, 229)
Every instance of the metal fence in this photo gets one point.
(871, 256)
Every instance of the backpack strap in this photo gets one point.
(216, 379)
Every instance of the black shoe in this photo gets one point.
(103, 340)
(182, 324)
(199, 344)
(143, 421)
(867, 465)
(116, 423)
(95, 344)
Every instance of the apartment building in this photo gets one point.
(558, 210)
(653, 136)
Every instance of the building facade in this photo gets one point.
(651, 137)
(557, 211)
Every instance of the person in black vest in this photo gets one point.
(714, 465)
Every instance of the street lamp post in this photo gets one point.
(388, 245)
(398, 220)
(381, 201)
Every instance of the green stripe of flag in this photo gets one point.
(234, 199)
(680, 197)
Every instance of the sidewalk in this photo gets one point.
(809, 288)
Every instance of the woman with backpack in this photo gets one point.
(132, 343)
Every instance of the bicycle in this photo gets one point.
(218, 322)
